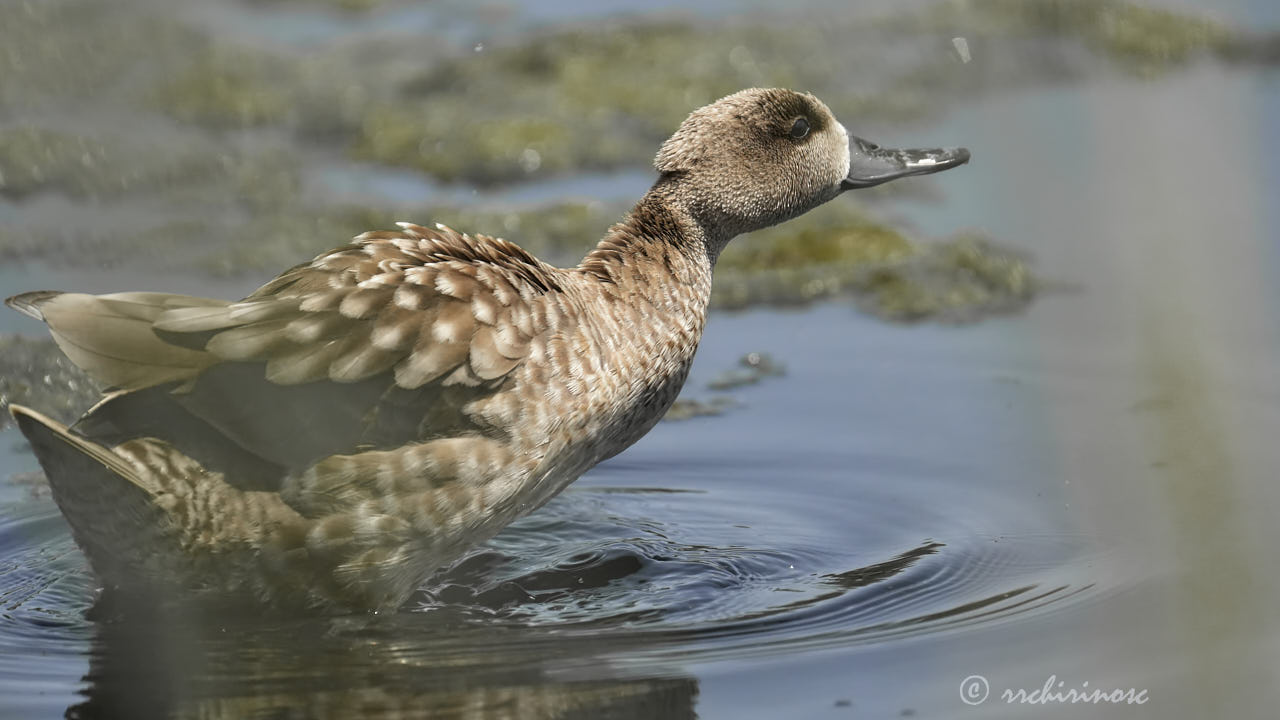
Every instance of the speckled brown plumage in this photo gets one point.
(363, 418)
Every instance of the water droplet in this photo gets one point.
(530, 160)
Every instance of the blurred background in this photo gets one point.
(1014, 421)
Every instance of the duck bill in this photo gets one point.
(870, 164)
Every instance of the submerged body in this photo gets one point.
(362, 419)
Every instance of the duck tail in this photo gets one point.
(108, 503)
(111, 337)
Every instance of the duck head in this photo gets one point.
(762, 156)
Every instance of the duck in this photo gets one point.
(363, 419)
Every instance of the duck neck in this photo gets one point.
(661, 237)
(649, 283)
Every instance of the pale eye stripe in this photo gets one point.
(844, 134)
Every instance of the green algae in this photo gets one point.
(957, 280)
(453, 144)
(588, 97)
(836, 234)
(603, 96)
(814, 257)
(1147, 37)
(960, 280)
(34, 159)
(579, 99)
(752, 368)
(1138, 38)
(689, 408)
(36, 373)
(221, 188)
(52, 52)
(228, 87)
(321, 98)
(158, 247)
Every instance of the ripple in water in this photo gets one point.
(660, 582)
(594, 603)
(45, 592)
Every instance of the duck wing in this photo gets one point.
(374, 344)
(426, 304)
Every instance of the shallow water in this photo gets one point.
(1084, 491)
(812, 532)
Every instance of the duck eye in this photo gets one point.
(800, 128)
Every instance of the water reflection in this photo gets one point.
(402, 665)
(571, 613)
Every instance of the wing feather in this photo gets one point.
(111, 336)
(343, 350)
(413, 301)
(307, 364)
(253, 341)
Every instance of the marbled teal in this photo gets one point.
(364, 418)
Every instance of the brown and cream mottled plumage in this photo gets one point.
(363, 418)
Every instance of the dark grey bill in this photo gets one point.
(870, 164)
